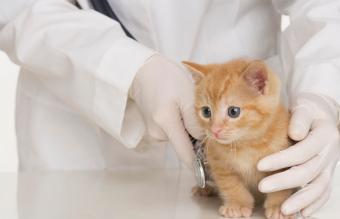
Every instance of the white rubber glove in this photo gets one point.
(164, 94)
(312, 160)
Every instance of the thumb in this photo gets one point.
(178, 136)
(191, 122)
(300, 122)
(186, 103)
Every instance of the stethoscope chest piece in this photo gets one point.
(200, 165)
(199, 172)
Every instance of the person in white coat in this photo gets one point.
(85, 87)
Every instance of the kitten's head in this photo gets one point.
(235, 100)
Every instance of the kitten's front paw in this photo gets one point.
(235, 211)
(275, 213)
(205, 192)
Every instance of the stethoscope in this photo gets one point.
(104, 7)
(200, 163)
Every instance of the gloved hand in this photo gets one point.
(164, 94)
(312, 160)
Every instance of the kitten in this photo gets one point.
(238, 105)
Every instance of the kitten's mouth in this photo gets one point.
(221, 140)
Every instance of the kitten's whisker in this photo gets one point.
(205, 139)
(207, 149)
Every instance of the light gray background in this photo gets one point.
(8, 79)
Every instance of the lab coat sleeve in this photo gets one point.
(310, 47)
(83, 58)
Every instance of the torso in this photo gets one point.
(198, 30)
(203, 31)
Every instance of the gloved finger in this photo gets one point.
(293, 177)
(300, 122)
(325, 176)
(307, 195)
(317, 204)
(191, 122)
(172, 125)
(298, 153)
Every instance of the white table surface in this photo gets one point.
(149, 194)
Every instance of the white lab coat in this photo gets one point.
(73, 110)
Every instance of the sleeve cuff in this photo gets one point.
(113, 79)
(323, 78)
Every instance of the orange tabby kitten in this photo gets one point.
(238, 105)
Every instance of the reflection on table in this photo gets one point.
(150, 194)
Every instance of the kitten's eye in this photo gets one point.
(206, 112)
(234, 111)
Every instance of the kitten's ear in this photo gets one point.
(256, 76)
(198, 71)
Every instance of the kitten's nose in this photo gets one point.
(216, 131)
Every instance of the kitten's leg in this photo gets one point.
(273, 204)
(237, 200)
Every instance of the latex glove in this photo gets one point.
(164, 94)
(312, 160)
